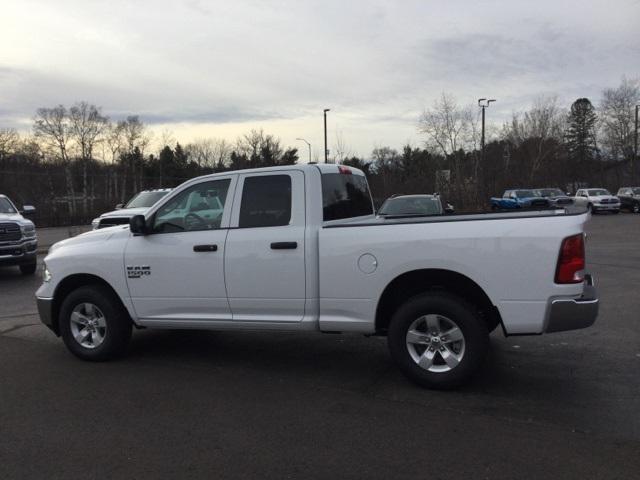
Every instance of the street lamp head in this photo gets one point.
(326, 110)
(481, 100)
(491, 100)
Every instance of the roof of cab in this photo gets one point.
(324, 168)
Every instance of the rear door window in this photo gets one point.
(345, 196)
(266, 201)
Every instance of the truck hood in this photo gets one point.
(14, 217)
(125, 212)
(603, 197)
(92, 236)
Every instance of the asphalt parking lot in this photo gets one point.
(188, 404)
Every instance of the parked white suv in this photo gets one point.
(138, 205)
(299, 248)
(597, 200)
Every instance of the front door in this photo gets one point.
(176, 272)
(265, 258)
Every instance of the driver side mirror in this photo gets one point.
(28, 210)
(449, 210)
(119, 206)
(138, 225)
(568, 194)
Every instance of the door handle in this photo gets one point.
(205, 248)
(284, 245)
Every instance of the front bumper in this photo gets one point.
(45, 310)
(19, 253)
(607, 207)
(574, 313)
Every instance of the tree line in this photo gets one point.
(78, 163)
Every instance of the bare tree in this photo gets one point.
(445, 124)
(539, 131)
(343, 151)
(9, 140)
(135, 139)
(86, 125)
(617, 118)
(51, 126)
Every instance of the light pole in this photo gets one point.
(308, 145)
(483, 103)
(635, 146)
(326, 152)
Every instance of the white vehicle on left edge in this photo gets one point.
(138, 205)
(18, 240)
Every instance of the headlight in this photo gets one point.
(28, 231)
(94, 223)
(46, 274)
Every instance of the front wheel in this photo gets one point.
(438, 340)
(93, 323)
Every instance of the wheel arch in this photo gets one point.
(71, 283)
(414, 282)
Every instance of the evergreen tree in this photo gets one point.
(581, 132)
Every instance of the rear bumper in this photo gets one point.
(573, 313)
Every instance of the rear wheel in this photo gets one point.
(29, 268)
(438, 340)
(93, 323)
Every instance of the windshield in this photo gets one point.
(598, 192)
(411, 206)
(525, 193)
(6, 207)
(550, 192)
(145, 199)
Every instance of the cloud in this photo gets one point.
(250, 63)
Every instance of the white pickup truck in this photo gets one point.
(300, 248)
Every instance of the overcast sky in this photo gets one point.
(220, 68)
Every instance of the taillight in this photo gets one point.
(344, 170)
(571, 264)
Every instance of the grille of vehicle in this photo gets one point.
(564, 201)
(608, 200)
(10, 232)
(111, 221)
(539, 203)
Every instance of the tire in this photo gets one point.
(448, 312)
(615, 211)
(635, 208)
(590, 209)
(29, 268)
(105, 327)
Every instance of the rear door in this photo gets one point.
(264, 259)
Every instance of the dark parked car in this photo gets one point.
(629, 199)
(414, 206)
(555, 196)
